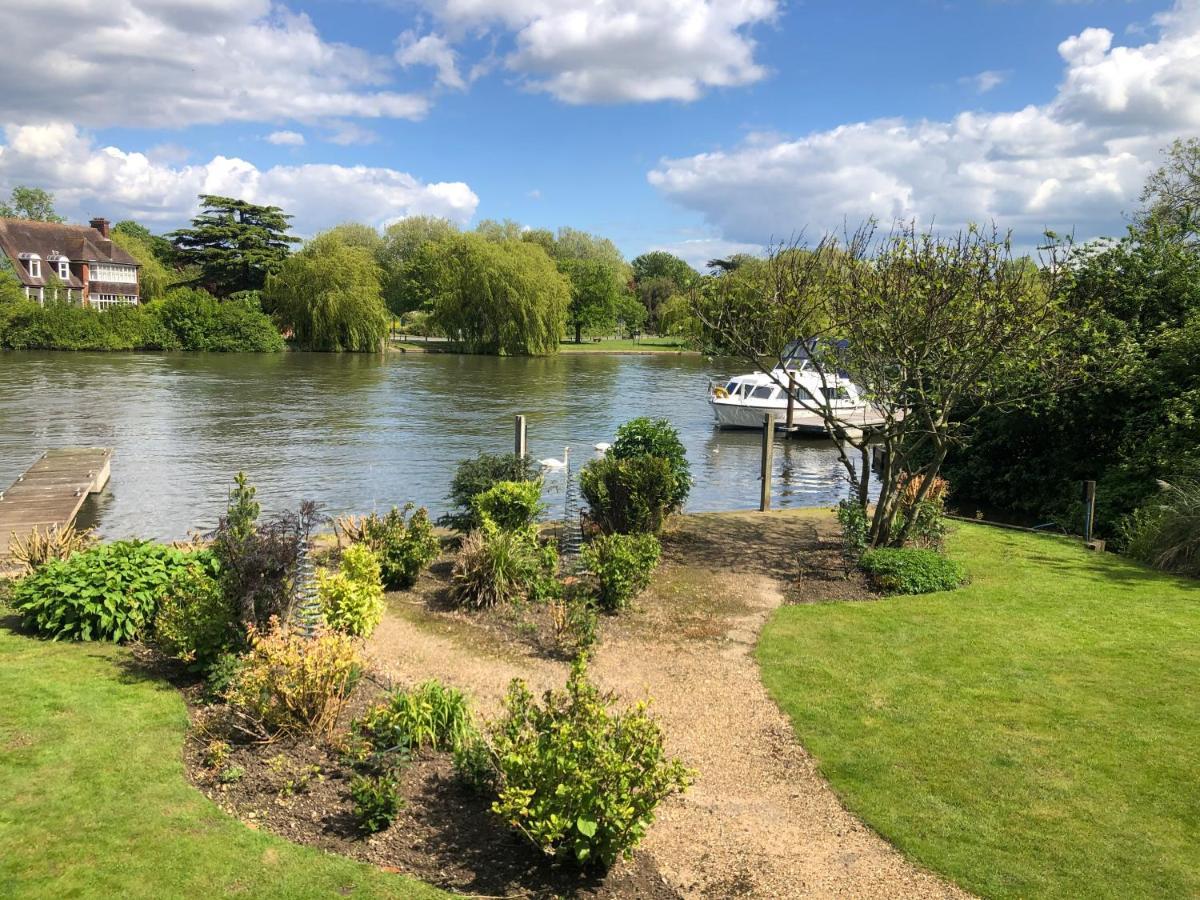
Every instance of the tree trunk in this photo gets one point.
(578, 333)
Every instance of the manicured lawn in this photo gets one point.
(643, 345)
(1035, 734)
(93, 800)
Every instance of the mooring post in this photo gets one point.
(768, 452)
(519, 437)
(791, 412)
(1089, 509)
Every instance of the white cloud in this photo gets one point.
(286, 138)
(985, 81)
(609, 51)
(174, 63)
(1075, 163)
(431, 50)
(347, 133)
(90, 180)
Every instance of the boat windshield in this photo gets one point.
(763, 392)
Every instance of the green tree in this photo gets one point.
(235, 245)
(1171, 198)
(10, 284)
(658, 276)
(158, 245)
(154, 278)
(30, 203)
(631, 313)
(356, 234)
(409, 275)
(596, 290)
(329, 295)
(498, 296)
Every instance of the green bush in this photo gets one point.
(474, 476)
(622, 563)
(201, 322)
(855, 531)
(657, 437)
(430, 716)
(196, 621)
(352, 598)
(405, 547)
(64, 326)
(111, 592)
(628, 495)
(577, 780)
(510, 504)
(912, 571)
(376, 801)
(1166, 532)
(495, 566)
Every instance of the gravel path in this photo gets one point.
(760, 821)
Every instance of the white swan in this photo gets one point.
(552, 463)
(602, 447)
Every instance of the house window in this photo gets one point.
(35, 268)
(64, 269)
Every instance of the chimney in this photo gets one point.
(101, 225)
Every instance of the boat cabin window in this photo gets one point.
(803, 396)
(836, 393)
(763, 392)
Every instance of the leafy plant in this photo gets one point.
(404, 547)
(376, 801)
(495, 566)
(657, 437)
(220, 674)
(352, 598)
(576, 623)
(216, 754)
(430, 716)
(289, 684)
(628, 495)
(578, 780)
(1166, 532)
(623, 564)
(912, 570)
(927, 516)
(475, 476)
(474, 763)
(57, 542)
(855, 532)
(231, 775)
(111, 592)
(196, 622)
(513, 505)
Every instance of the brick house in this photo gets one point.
(76, 263)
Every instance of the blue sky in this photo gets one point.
(695, 125)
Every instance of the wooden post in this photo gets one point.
(768, 453)
(1089, 509)
(791, 411)
(519, 437)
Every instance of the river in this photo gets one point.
(358, 432)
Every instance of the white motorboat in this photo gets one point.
(744, 400)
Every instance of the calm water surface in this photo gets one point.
(357, 433)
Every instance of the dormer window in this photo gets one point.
(64, 268)
(33, 262)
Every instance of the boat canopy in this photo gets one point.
(797, 354)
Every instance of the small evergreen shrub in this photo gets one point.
(495, 567)
(628, 496)
(576, 779)
(474, 764)
(431, 716)
(405, 544)
(622, 564)
(855, 529)
(376, 801)
(219, 675)
(657, 437)
(196, 622)
(352, 598)
(512, 505)
(111, 592)
(912, 571)
(289, 684)
(474, 476)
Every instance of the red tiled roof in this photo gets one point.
(79, 243)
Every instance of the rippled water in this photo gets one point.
(362, 432)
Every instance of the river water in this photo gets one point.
(357, 432)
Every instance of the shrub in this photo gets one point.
(110, 592)
(474, 763)
(196, 622)
(929, 523)
(430, 716)
(220, 674)
(405, 548)
(40, 547)
(495, 566)
(289, 684)
(201, 322)
(628, 495)
(512, 505)
(578, 780)
(855, 531)
(474, 476)
(1166, 532)
(657, 437)
(352, 598)
(376, 801)
(576, 624)
(622, 563)
(911, 571)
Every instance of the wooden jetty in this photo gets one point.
(51, 492)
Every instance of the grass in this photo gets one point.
(641, 345)
(94, 802)
(1036, 733)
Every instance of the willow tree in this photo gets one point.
(154, 279)
(932, 325)
(328, 295)
(496, 297)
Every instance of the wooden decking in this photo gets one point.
(51, 491)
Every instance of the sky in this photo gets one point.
(703, 127)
